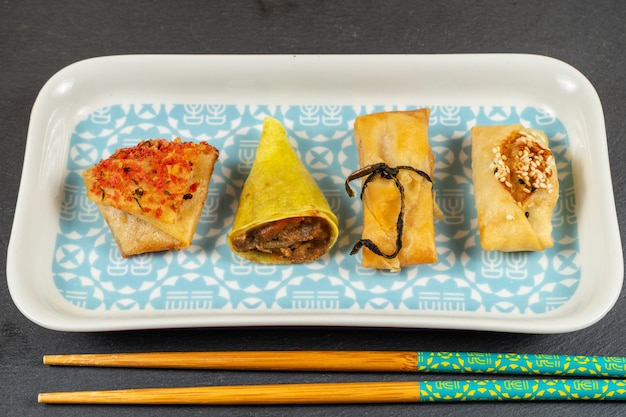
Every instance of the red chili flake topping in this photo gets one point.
(148, 177)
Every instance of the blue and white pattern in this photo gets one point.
(90, 273)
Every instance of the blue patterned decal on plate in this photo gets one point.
(90, 273)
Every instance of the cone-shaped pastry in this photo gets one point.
(283, 216)
(515, 186)
(397, 194)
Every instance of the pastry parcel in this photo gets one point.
(397, 164)
(283, 217)
(515, 187)
(151, 195)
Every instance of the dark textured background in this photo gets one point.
(38, 38)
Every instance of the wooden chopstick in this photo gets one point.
(363, 392)
(254, 360)
(361, 361)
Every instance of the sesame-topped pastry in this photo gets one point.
(151, 195)
(515, 187)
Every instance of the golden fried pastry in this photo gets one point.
(398, 202)
(515, 186)
(151, 195)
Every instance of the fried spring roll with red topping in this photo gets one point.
(152, 194)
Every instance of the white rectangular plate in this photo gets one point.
(64, 271)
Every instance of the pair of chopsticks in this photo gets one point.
(572, 377)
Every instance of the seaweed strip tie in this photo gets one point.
(382, 170)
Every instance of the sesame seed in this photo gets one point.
(522, 165)
(510, 217)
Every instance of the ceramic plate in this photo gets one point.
(65, 272)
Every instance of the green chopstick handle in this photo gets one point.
(522, 364)
(523, 390)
